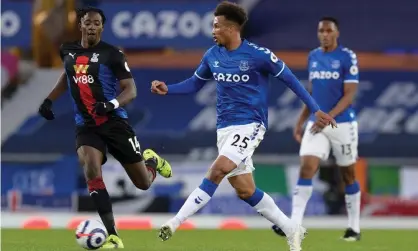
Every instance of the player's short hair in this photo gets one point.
(330, 19)
(83, 11)
(232, 12)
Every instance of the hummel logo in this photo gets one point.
(198, 200)
(72, 55)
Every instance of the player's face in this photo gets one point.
(92, 27)
(221, 31)
(327, 34)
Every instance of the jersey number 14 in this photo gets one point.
(135, 145)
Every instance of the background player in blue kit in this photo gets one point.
(334, 75)
(241, 70)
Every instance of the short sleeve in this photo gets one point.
(120, 66)
(350, 68)
(203, 70)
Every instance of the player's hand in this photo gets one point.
(102, 108)
(322, 120)
(159, 87)
(45, 110)
(297, 133)
(316, 127)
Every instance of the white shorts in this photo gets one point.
(343, 141)
(238, 143)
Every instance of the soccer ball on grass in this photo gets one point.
(91, 234)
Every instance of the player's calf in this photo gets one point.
(348, 174)
(91, 159)
(200, 196)
(101, 198)
(267, 208)
(141, 174)
(245, 188)
(352, 200)
(303, 189)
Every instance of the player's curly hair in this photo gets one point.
(330, 19)
(81, 12)
(232, 12)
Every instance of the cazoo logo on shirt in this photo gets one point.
(324, 75)
(228, 77)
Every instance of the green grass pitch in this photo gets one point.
(214, 240)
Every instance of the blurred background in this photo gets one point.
(165, 40)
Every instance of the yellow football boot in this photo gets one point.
(163, 167)
(113, 242)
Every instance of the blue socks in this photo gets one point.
(255, 198)
(208, 187)
(353, 188)
(304, 182)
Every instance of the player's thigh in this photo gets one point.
(239, 146)
(344, 141)
(243, 184)
(124, 146)
(122, 142)
(91, 151)
(316, 145)
(86, 136)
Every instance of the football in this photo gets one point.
(91, 234)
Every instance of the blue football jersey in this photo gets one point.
(328, 71)
(242, 77)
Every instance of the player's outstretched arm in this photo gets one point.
(45, 110)
(190, 85)
(293, 83)
(304, 114)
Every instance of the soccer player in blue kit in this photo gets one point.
(241, 70)
(334, 76)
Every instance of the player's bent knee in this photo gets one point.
(143, 185)
(218, 172)
(245, 193)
